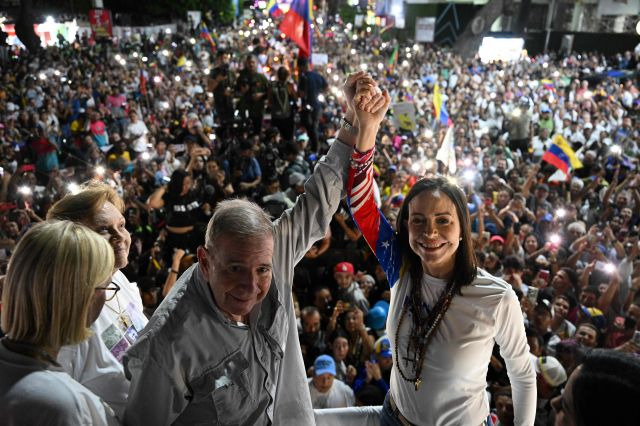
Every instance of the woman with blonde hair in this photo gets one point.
(57, 281)
(95, 363)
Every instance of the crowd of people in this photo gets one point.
(168, 130)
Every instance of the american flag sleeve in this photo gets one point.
(374, 226)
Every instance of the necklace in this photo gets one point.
(419, 339)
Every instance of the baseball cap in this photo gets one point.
(303, 137)
(547, 218)
(551, 370)
(296, 178)
(595, 315)
(588, 126)
(344, 267)
(382, 347)
(324, 364)
(543, 186)
(545, 108)
(376, 318)
(497, 238)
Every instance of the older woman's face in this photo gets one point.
(434, 232)
(110, 224)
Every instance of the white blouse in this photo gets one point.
(452, 391)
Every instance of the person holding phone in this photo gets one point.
(446, 313)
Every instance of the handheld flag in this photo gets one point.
(273, 9)
(393, 59)
(205, 34)
(447, 153)
(561, 155)
(296, 25)
(439, 109)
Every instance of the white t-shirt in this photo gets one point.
(339, 396)
(138, 131)
(456, 361)
(95, 363)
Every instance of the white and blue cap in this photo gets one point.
(324, 364)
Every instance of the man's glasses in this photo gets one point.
(111, 290)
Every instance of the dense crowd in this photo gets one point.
(175, 127)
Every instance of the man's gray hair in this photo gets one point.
(239, 218)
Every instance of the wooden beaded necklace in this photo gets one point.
(419, 339)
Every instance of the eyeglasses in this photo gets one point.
(111, 290)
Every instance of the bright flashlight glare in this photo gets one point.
(428, 133)
(118, 57)
(615, 150)
(73, 188)
(555, 239)
(42, 76)
(25, 190)
(609, 268)
(469, 175)
(177, 78)
(100, 170)
(561, 213)
(321, 98)
(415, 167)
(157, 79)
(146, 156)
(516, 112)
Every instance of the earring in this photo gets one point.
(460, 238)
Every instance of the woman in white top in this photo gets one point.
(96, 362)
(56, 285)
(445, 312)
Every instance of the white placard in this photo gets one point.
(320, 59)
(425, 29)
(618, 7)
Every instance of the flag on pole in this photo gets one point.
(439, 108)
(447, 152)
(561, 155)
(143, 82)
(273, 9)
(205, 34)
(393, 59)
(296, 25)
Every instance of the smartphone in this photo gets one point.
(543, 274)
(636, 338)
(532, 295)
(488, 202)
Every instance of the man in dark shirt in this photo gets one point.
(310, 85)
(221, 83)
(252, 87)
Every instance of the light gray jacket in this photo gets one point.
(190, 366)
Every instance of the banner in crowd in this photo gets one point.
(404, 114)
(194, 17)
(447, 152)
(425, 29)
(618, 7)
(101, 24)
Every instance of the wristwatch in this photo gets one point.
(350, 128)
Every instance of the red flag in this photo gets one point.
(296, 25)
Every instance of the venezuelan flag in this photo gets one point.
(273, 9)
(296, 25)
(561, 155)
(548, 84)
(439, 109)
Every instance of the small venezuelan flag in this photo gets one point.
(561, 155)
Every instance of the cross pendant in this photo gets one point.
(417, 383)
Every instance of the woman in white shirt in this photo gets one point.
(445, 312)
(56, 285)
(96, 362)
